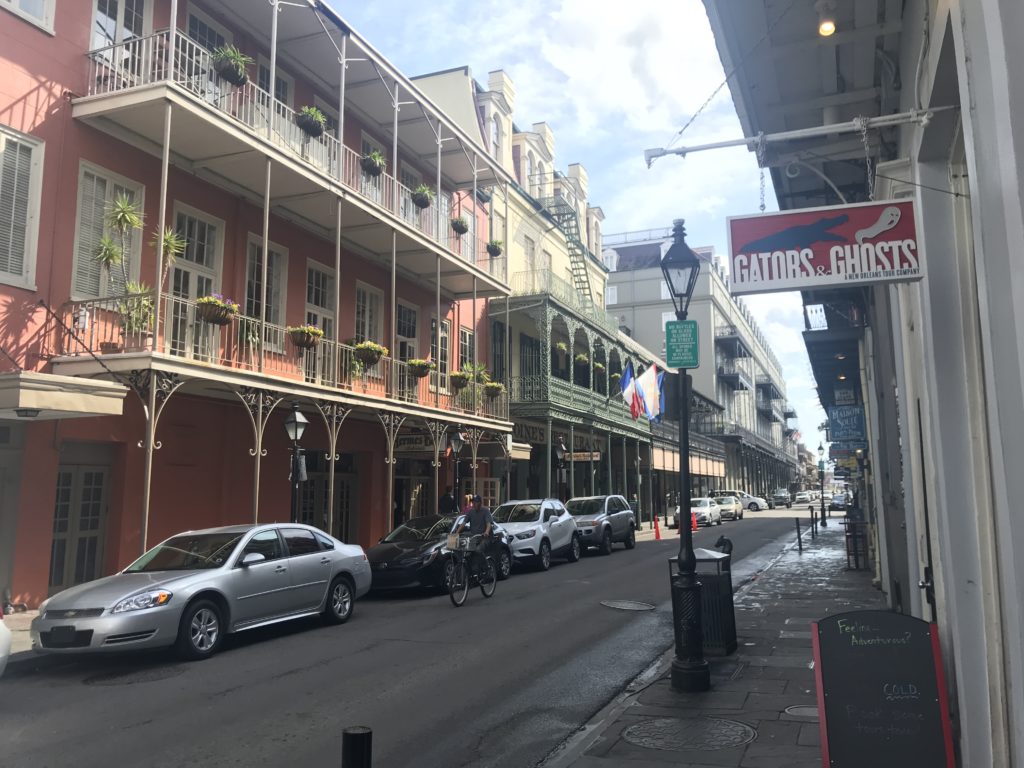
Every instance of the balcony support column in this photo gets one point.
(508, 250)
(337, 294)
(391, 385)
(592, 491)
(275, 6)
(547, 462)
(172, 39)
(165, 163)
(572, 463)
(625, 475)
(650, 480)
(265, 258)
(476, 384)
(609, 462)
(342, 81)
(508, 345)
(439, 373)
(571, 362)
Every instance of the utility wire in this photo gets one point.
(13, 361)
(856, 164)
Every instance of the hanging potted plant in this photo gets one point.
(422, 196)
(493, 389)
(615, 378)
(369, 352)
(230, 63)
(215, 309)
(458, 379)
(373, 163)
(460, 226)
(582, 359)
(598, 367)
(311, 120)
(495, 248)
(305, 336)
(562, 347)
(420, 368)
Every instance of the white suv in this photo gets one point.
(540, 529)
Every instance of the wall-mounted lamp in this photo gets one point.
(26, 413)
(826, 17)
(841, 377)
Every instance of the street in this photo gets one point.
(499, 682)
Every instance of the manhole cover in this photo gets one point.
(803, 710)
(706, 733)
(131, 676)
(627, 605)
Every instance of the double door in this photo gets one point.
(79, 517)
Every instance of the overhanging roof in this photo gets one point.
(57, 397)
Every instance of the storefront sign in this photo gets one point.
(813, 248)
(535, 434)
(584, 456)
(846, 422)
(415, 444)
(845, 396)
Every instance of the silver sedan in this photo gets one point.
(195, 587)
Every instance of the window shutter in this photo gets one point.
(15, 177)
(91, 199)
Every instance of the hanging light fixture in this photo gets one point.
(826, 17)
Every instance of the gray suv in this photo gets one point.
(602, 521)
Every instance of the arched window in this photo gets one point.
(496, 138)
(541, 179)
(529, 181)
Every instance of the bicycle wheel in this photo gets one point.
(458, 587)
(489, 578)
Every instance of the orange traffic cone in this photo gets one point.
(657, 530)
(693, 520)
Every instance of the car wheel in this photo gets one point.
(740, 516)
(575, 550)
(340, 601)
(753, 506)
(447, 573)
(631, 538)
(504, 564)
(200, 631)
(544, 558)
(719, 520)
(606, 542)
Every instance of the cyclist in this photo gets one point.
(480, 523)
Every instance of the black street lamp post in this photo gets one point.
(295, 424)
(690, 671)
(821, 481)
(456, 440)
(560, 452)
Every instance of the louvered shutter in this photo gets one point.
(89, 277)
(15, 179)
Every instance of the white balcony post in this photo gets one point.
(172, 39)
(263, 274)
(572, 450)
(165, 161)
(393, 204)
(272, 85)
(343, 63)
(437, 193)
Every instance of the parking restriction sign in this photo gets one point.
(682, 344)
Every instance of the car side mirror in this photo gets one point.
(252, 558)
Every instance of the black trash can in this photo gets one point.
(718, 617)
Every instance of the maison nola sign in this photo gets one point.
(824, 247)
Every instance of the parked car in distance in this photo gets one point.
(802, 497)
(707, 511)
(602, 521)
(5, 642)
(195, 587)
(838, 502)
(730, 507)
(753, 503)
(781, 498)
(413, 555)
(540, 529)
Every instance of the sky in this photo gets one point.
(611, 83)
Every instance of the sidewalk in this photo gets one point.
(761, 711)
(19, 623)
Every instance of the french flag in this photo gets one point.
(648, 385)
(629, 391)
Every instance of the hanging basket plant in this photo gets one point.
(373, 163)
(420, 368)
(495, 248)
(422, 196)
(305, 336)
(312, 121)
(582, 359)
(562, 347)
(369, 352)
(615, 378)
(460, 226)
(493, 389)
(215, 309)
(598, 367)
(459, 380)
(230, 63)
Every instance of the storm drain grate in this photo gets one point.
(695, 733)
(627, 605)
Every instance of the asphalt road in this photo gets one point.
(498, 682)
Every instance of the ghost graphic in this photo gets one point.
(890, 218)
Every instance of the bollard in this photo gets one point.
(356, 747)
(814, 523)
(799, 541)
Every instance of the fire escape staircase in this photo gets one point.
(566, 218)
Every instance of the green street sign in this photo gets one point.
(682, 344)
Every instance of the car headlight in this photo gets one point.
(430, 556)
(145, 600)
(527, 534)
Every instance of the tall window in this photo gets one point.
(465, 346)
(283, 84)
(39, 12)
(666, 295)
(498, 350)
(529, 181)
(530, 249)
(205, 31)
(116, 21)
(276, 271)
(20, 180)
(496, 138)
(369, 314)
(442, 356)
(97, 191)
(612, 295)
(529, 356)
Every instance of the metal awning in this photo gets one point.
(33, 396)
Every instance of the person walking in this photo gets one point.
(447, 505)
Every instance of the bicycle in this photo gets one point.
(459, 583)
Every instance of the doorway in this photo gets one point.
(79, 520)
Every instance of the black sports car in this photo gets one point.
(414, 554)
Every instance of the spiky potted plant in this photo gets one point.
(422, 196)
(136, 311)
(311, 121)
(373, 163)
(305, 336)
(460, 226)
(495, 248)
(230, 63)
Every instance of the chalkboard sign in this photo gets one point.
(881, 692)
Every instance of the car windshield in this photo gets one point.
(725, 500)
(698, 502)
(188, 552)
(517, 513)
(578, 507)
(420, 529)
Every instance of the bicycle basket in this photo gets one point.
(456, 542)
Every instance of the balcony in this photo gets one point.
(526, 390)
(539, 282)
(766, 385)
(735, 377)
(207, 349)
(730, 340)
(223, 133)
(788, 411)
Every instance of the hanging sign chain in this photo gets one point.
(862, 126)
(759, 147)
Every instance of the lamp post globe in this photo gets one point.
(294, 426)
(456, 441)
(680, 267)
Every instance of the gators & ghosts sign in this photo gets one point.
(837, 246)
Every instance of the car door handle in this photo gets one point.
(325, 561)
(280, 569)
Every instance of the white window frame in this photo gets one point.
(257, 240)
(263, 61)
(35, 196)
(666, 295)
(204, 17)
(136, 255)
(378, 337)
(220, 224)
(147, 20)
(45, 23)
(416, 339)
(442, 371)
(611, 295)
